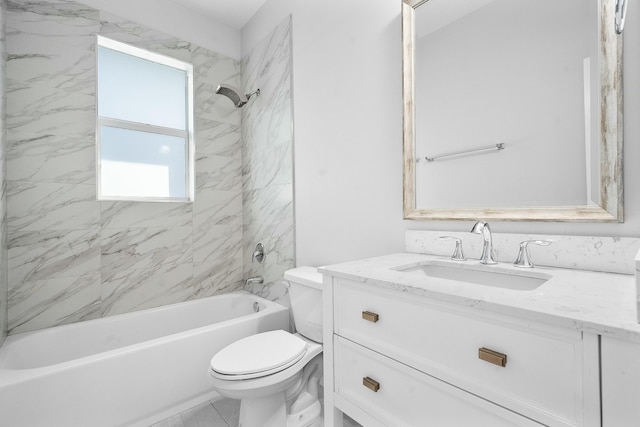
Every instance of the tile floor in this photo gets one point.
(219, 413)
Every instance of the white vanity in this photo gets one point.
(412, 340)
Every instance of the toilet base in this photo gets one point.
(267, 411)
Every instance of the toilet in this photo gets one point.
(275, 374)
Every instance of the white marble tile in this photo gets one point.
(40, 255)
(215, 242)
(218, 173)
(609, 254)
(273, 204)
(125, 31)
(218, 276)
(53, 302)
(124, 291)
(121, 214)
(34, 111)
(55, 48)
(214, 68)
(147, 254)
(51, 206)
(144, 248)
(216, 207)
(3, 187)
(267, 166)
(218, 138)
(52, 158)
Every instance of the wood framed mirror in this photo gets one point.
(447, 126)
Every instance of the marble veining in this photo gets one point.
(69, 256)
(267, 162)
(3, 184)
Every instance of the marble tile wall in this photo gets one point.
(267, 162)
(70, 257)
(3, 181)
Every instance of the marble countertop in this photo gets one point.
(600, 303)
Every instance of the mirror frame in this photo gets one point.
(611, 194)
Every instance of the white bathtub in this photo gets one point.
(129, 369)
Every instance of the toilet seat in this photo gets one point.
(258, 356)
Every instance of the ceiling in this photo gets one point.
(234, 13)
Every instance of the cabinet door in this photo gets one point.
(397, 395)
(620, 383)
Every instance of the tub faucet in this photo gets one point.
(255, 280)
(483, 228)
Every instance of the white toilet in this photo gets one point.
(275, 374)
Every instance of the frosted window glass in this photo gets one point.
(141, 164)
(137, 90)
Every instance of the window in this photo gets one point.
(144, 125)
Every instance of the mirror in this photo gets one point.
(512, 110)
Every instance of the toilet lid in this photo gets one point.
(259, 355)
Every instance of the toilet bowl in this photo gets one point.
(272, 371)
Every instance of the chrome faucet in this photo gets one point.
(483, 228)
(255, 280)
(258, 254)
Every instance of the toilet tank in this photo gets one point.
(305, 292)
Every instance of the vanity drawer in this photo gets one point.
(397, 395)
(542, 373)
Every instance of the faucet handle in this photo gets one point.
(524, 257)
(458, 255)
(258, 254)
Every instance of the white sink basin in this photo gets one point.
(479, 275)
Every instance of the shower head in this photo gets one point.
(235, 95)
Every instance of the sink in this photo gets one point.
(479, 275)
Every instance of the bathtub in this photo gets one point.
(131, 369)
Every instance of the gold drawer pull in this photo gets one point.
(491, 356)
(370, 316)
(371, 384)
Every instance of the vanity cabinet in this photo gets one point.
(400, 359)
(620, 383)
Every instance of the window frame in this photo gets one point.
(188, 134)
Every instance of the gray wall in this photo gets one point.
(72, 258)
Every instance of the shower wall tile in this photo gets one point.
(144, 248)
(66, 61)
(269, 205)
(124, 291)
(125, 31)
(218, 138)
(34, 111)
(51, 206)
(268, 162)
(71, 257)
(40, 255)
(213, 68)
(217, 207)
(38, 304)
(216, 242)
(3, 186)
(145, 214)
(218, 173)
(52, 158)
(219, 276)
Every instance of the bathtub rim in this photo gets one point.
(10, 376)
